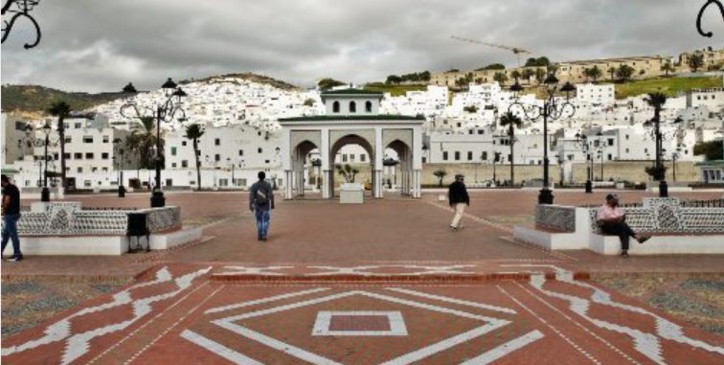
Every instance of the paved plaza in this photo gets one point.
(385, 282)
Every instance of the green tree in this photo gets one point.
(667, 67)
(194, 132)
(440, 174)
(143, 141)
(470, 109)
(348, 172)
(696, 61)
(595, 73)
(515, 75)
(61, 109)
(500, 77)
(537, 62)
(712, 150)
(309, 102)
(656, 100)
(527, 74)
(612, 72)
(393, 79)
(625, 72)
(511, 121)
(540, 75)
(493, 66)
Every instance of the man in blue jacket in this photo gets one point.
(458, 199)
(261, 201)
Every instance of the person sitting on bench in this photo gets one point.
(612, 220)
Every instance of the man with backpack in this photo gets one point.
(261, 201)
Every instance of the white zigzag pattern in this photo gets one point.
(78, 344)
(646, 343)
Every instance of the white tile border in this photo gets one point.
(324, 320)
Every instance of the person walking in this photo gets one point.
(10, 214)
(458, 199)
(261, 201)
(612, 220)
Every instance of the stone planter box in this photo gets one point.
(351, 193)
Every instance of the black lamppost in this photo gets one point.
(552, 109)
(121, 189)
(45, 193)
(496, 158)
(582, 139)
(164, 111)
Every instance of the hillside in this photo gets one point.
(34, 100)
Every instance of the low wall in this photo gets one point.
(70, 219)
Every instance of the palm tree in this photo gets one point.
(143, 140)
(194, 132)
(61, 110)
(511, 121)
(667, 67)
(500, 77)
(540, 75)
(657, 100)
(612, 71)
(595, 73)
(696, 61)
(515, 75)
(527, 74)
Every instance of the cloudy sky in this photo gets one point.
(95, 46)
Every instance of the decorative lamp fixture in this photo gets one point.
(20, 8)
(701, 14)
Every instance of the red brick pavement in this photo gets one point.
(397, 243)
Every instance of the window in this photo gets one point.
(241, 152)
(105, 169)
(444, 156)
(68, 139)
(183, 143)
(627, 137)
(104, 155)
(173, 151)
(610, 141)
(368, 107)
(86, 183)
(362, 157)
(106, 139)
(627, 150)
(335, 107)
(344, 158)
(80, 170)
(217, 157)
(457, 155)
(89, 155)
(610, 157)
(259, 149)
(78, 125)
(217, 142)
(480, 131)
(67, 155)
(484, 156)
(351, 158)
(470, 155)
(78, 156)
(184, 163)
(173, 165)
(94, 169)
(87, 139)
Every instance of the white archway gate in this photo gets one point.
(330, 133)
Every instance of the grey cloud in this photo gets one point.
(94, 46)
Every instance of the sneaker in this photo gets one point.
(624, 254)
(643, 239)
(453, 228)
(15, 258)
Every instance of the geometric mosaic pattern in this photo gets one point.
(69, 219)
(561, 218)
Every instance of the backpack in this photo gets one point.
(261, 197)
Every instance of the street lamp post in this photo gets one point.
(164, 111)
(659, 136)
(121, 188)
(496, 158)
(45, 193)
(551, 110)
(582, 139)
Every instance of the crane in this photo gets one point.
(515, 50)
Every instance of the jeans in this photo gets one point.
(10, 232)
(262, 221)
(622, 230)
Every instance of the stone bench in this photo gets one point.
(675, 229)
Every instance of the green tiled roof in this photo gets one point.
(352, 91)
(324, 118)
(711, 163)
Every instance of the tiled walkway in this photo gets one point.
(384, 282)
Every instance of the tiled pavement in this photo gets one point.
(383, 282)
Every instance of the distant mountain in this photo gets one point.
(35, 100)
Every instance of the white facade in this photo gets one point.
(595, 94)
